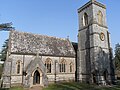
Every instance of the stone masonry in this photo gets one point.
(37, 60)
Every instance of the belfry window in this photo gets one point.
(18, 67)
(100, 17)
(48, 65)
(85, 19)
(62, 66)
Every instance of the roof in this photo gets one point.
(75, 45)
(28, 43)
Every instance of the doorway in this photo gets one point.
(36, 77)
(105, 74)
(94, 78)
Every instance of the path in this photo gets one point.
(36, 88)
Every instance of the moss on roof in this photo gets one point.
(28, 43)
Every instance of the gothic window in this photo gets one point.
(71, 67)
(100, 17)
(18, 67)
(85, 19)
(48, 65)
(62, 66)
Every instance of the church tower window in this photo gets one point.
(63, 66)
(18, 67)
(85, 19)
(48, 65)
(100, 17)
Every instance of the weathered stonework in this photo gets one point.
(32, 52)
(89, 60)
(27, 43)
(93, 53)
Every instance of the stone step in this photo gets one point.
(36, 88)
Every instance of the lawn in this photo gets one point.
(79, 86)
(72, 86)
(14, 88)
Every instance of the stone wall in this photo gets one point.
(94, 52)
(25, 60)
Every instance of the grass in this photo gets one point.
(16, 88)
(68, 86)
(79, 86)
(13, 88)
(72, 86)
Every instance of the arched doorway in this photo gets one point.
(105, 74)
(94, 78)
(36, 77)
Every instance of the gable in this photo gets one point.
(28, 43)
(36, 63)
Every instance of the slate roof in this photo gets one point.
(28, 43)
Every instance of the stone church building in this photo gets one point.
(34, 59)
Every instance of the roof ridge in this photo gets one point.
(40, 35)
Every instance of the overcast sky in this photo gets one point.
(54, 17)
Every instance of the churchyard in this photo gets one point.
(72, 86)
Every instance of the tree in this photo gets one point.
(3, 52)
(6, 27)
(117, 56)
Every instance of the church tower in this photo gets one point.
(94, 51)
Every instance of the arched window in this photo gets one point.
(85, 19)
(18, 67)
(71, 67)
(48, 65)
(100, 17)
(63, 66)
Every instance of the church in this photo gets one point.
(34, 59)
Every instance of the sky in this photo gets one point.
(57, 18)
